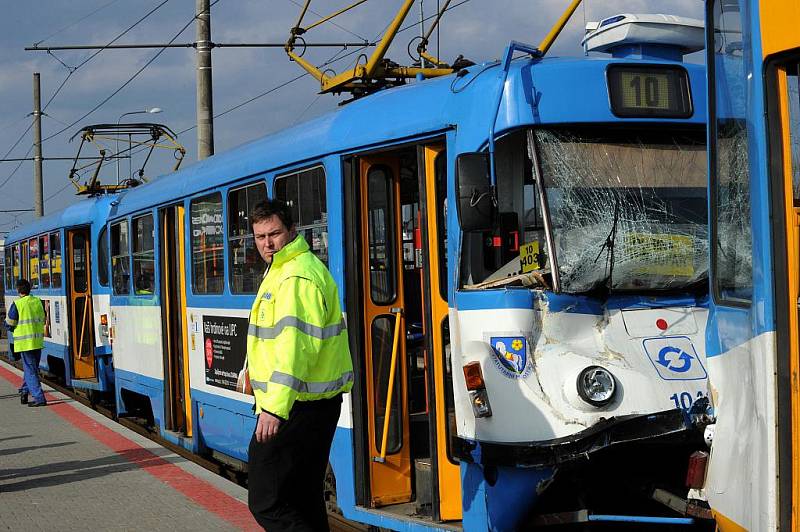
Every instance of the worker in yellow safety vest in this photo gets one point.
(299, 366)
(26, 319)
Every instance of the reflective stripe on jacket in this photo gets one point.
(297, 346)
(29, 331)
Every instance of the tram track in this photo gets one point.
(139, 425)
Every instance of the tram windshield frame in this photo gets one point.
(624, 209)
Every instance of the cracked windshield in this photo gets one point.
(627, 209)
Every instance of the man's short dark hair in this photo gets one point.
(23, 287)
(269, 208)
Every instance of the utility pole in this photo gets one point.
(38, 196)
(205, 106)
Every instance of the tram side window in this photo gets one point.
(44, 261)
(382, 266)
(732, 239)
(33, 257)
(120, 265)
(382, 332)
(102, 257)
(25, 267)
(55, 260)
(440, 166)
(143, 255)
(208, 264)
(304, 192)
(18, 268)
(517, 244)
(246, 265)
(8, 267)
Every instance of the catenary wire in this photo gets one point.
(72, 124)
(72, 70)
(326, 63)
(57, 32)
(127, 82)
(330, 61)
(298, 4)
(287, 82)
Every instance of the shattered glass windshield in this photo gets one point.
(628, 210)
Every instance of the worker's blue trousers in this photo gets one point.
(32, 386)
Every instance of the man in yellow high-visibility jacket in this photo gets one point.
(26, 319)
(299, 365)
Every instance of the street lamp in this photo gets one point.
(151, 110)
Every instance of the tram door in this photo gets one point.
(81, 316)
(406, 331)
(385, 331)
(434, 233)
(173, 309)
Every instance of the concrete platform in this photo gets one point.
(66, 467)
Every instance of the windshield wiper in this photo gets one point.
(609, 243)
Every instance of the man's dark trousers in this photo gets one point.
(286, 474)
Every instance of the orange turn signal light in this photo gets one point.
(103, 319)
(474, 376)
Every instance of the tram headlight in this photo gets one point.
(596, 386)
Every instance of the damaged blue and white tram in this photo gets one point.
(578, 302)
(521, 250)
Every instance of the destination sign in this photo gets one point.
(649, 91)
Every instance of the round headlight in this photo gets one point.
(596, 386)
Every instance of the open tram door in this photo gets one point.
(404, 330)
(177, 405)
(81, 315)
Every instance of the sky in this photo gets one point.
(254, 89)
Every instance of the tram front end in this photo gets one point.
(581, 296)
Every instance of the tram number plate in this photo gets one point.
(649, 91)
(529, 256)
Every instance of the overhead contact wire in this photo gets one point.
(72, 70)
(128, 82)
(330, 61)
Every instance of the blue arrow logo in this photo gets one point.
(668, 362)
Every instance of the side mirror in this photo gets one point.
(473, 182)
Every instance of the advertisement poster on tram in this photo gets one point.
(33, 250)
(225, 348)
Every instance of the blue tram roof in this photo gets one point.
(565, 90)
(84, 212)
(548, 91)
